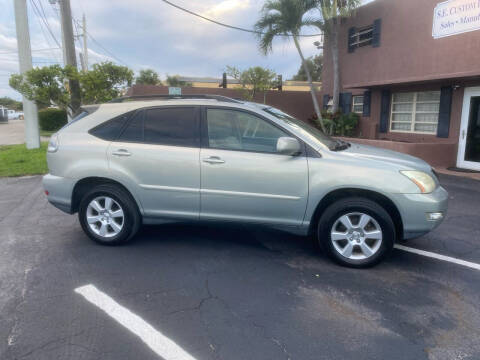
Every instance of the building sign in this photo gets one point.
(174, 91)
(455, 17)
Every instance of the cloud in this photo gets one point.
(152, 34)
(7, 43)
(227, 7)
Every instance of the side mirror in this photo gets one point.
(288, 146)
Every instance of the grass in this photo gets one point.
(47, 133)
(17, 160)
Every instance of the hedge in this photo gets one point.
(52, 119)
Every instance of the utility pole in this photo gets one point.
(85, 48)
(82, 61)
(64, 53)
(32, 135)
(71, 59)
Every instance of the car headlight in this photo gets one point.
(425, 182)
(53, 144)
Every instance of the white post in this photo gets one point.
(32, 135)
(85, 48)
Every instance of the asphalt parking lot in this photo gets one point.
(230, 293)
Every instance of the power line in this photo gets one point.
(46, 61)
(34, 50)
(45, 21)
(43, 10)
(227, 25)
(105, 49)
(76, 34)
(40, 24)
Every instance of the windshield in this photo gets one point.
(306, 129)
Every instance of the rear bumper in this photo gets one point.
(415, 209)
(59, 191)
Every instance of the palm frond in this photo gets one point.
(266, 42)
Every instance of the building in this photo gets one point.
(411, 69)
(210, 82)
(294, 97)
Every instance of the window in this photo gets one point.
(307, 130)
(171, 126)
(238, 130)
(365, 36)
(415, 112)
(164, 126)
(134, 130)
(110, 129)
(357, 104)
(361, 37)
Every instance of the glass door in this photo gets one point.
(469, 144)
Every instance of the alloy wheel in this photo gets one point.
(105, 216)
(356, 236)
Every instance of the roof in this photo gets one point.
(175, 97)
(206, 79)
(128, 104)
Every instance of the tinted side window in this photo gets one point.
(238, 130)
(171, 126)
(134, 131)
(111, 129)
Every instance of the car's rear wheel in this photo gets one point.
(356, 232)
(109, 215)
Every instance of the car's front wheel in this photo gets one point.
(356, 232)
(109, 215)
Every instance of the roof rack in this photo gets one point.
(170, 97)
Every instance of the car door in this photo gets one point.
(158, 151)
(243, 177)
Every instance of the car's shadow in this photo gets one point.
(225, 235)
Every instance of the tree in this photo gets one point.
(253, 80)
(11, 103)
(49, 85)
(332, 12)
(174, 81)
(46, 85)
(148, 77)
(315, 65)
(286, 17)
(104, 82)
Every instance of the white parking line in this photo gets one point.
(155, 340)
(439, 257)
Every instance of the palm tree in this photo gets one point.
(286, 18)
(332, 12)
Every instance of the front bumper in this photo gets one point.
(60, 191)
(415, 208)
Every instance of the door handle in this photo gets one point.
(463, 134)
(213, 160)
(121, 152)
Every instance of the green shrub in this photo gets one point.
(52, 119)
(340, 124)
(347, 124)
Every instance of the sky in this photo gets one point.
(151, 34)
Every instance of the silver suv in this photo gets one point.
(204, 158)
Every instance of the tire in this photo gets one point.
(356, 246)
(110, 228)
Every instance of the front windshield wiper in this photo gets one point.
(341, 145)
